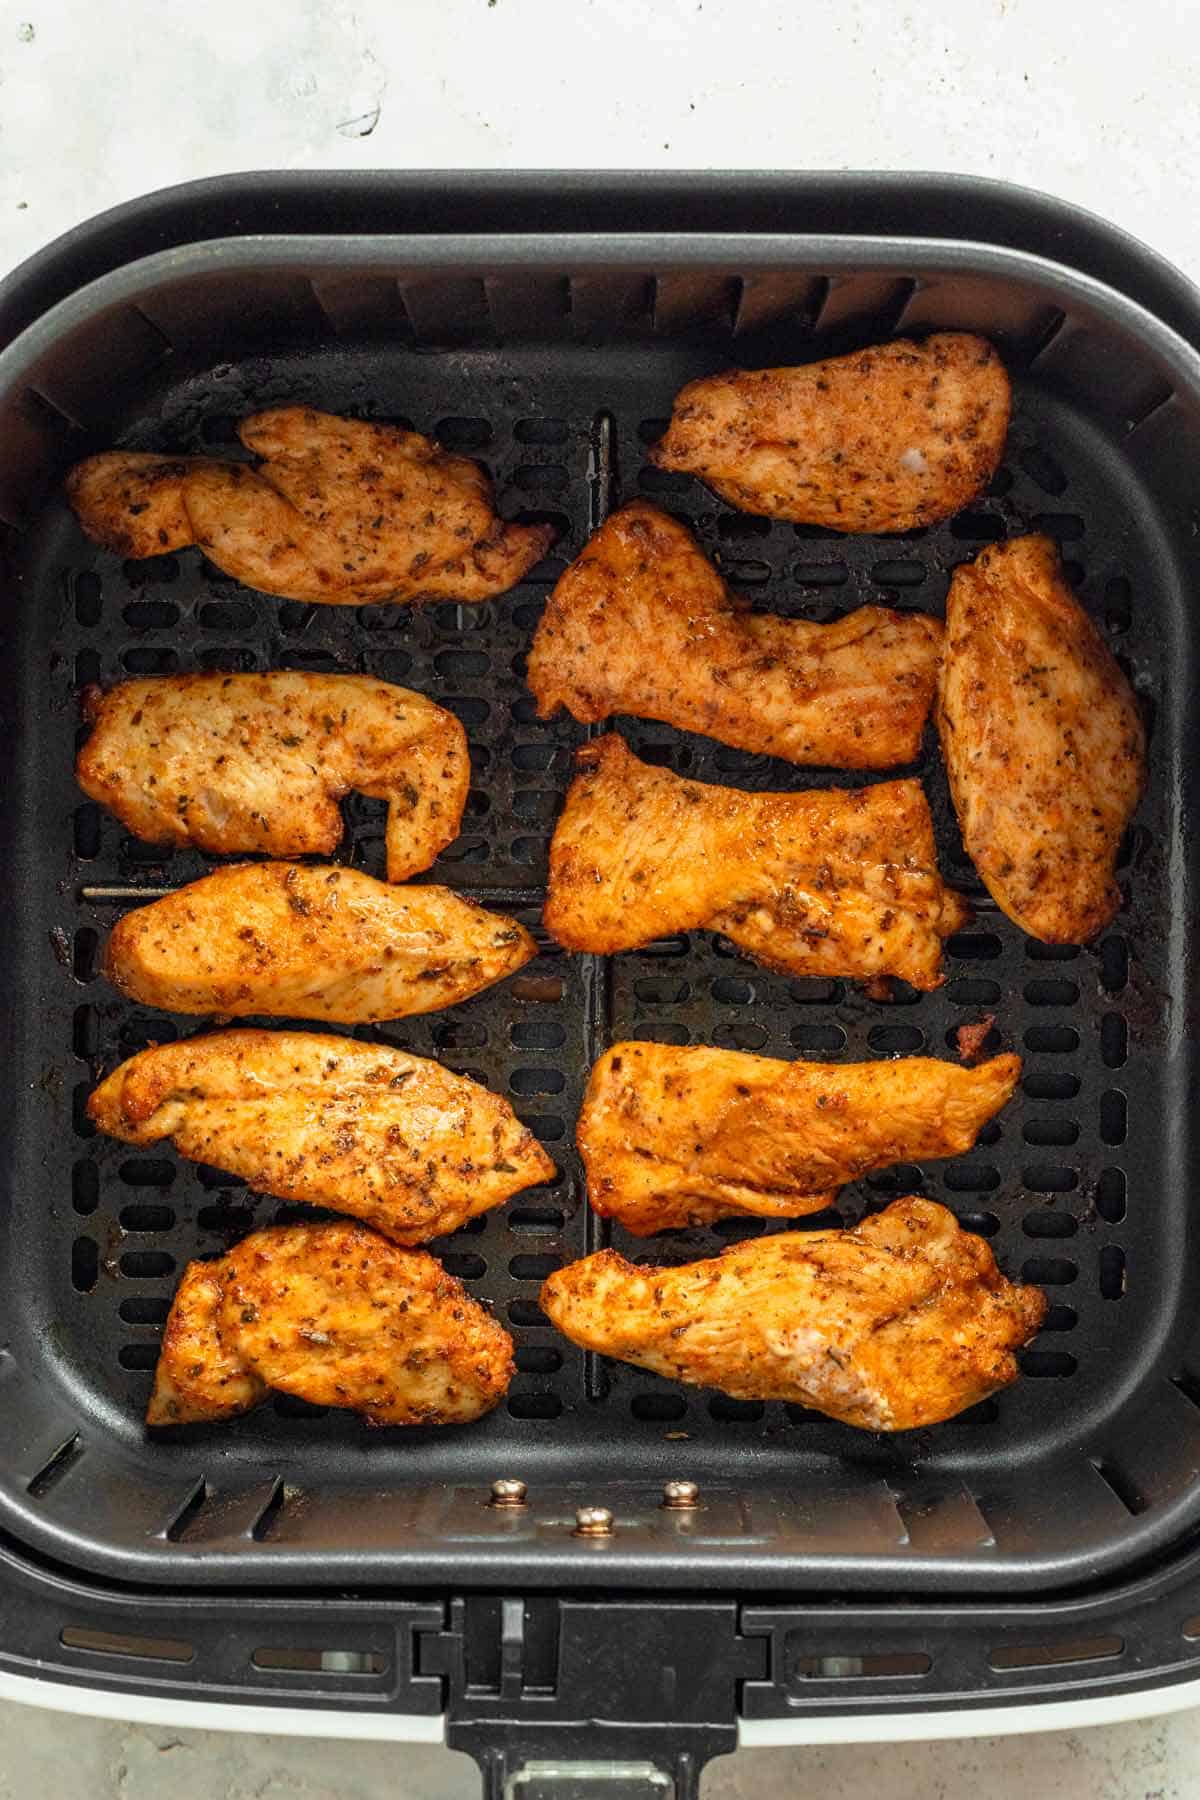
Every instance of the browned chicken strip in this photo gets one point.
(260, 762)
(642, 623)
(673, 1137)
(336, 1316)
(901, 1322)
(390, 1138)
(1042, 740)
(886, 439)
(825, 882)
(336, 510)
(289, 941)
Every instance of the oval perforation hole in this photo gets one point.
(89, 594)
(970, 1178)
(85, 1187)
(1051, 1086)
(1112, 1272)
(87, 831)
(728, 1411)
(973, 946)
(538, 1359)
(1114, 1116)
(147, 1265)
(1042, 468)
(1052, 1365)
(820, 574)
(740, 1036)
(532, 1268)
(661, 990)
(1110, 1195)
(534, 1406)
(1049, 1271)
(983, 1224)
(147, 1218)
(142, 1309)
(1050, 1178)
(85, 1264)
(1052, 1040)
(658, 1409)
(899, 573)
(1051, 993)
(1048, 1224)
(526, 1313)
(896, 1040)
(156, 1172)
(978, 528)
(818, 1039)
(463, 434)
(138, 1356)
(541, 431)
(1049, 1132)
(290, 1406)
(537, 1081)
(1114, 1041)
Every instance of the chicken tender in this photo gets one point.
(288, 941)
(901, 1322)
(1042, 740)
(886, 439)
(336, 1316)
(642, 623)
(392, 1139)
(258, 763)
(673, 1137)
(825, 882)
(336, 511)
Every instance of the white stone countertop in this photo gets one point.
(102, 100)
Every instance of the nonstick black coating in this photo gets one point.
(1081, 1184)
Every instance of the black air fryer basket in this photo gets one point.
(1036, 1550)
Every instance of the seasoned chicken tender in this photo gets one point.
(824, 882)
(642, 623)
(336, 1316)
(336, 511)
(901, 1322)
(259, 762)
(289, 941)
(886, 439)
(673, 1137)
(1042, 740)
(392, 1139)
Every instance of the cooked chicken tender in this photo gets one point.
(824, 882)
(901, 1322)
(392, 1139)
(289, 941)
(1042, 740)
(334, 1315)
(336, 511)
(259, 762)
(886, 439)
(642, 623)
(682, 1136)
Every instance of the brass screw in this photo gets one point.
(680, 1496)
(508, 1494)
(593, 1521)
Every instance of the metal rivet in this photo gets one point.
(593, 1521)
(508, 1493)
(678, 1496)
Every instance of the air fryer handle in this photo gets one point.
(593, 1697)
(662, 1775)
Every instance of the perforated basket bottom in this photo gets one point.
(1067, 1185)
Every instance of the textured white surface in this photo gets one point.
(1094, 100)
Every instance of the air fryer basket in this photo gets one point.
(554, 358)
